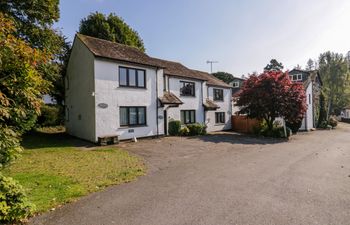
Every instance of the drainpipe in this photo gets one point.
(203, 102)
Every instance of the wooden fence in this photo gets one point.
(243, 124)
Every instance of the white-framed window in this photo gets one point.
(219, 117)
(235, 84)
(296, 77)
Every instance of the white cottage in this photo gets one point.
(312, 84)
(117, 90)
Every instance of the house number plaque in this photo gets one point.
(103, 105)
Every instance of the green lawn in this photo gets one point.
(56, 168)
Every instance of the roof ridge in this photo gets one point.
(112, 42)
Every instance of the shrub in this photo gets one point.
(333, 122)
(323, 125)
(294, 126)
(51, 115)
(174, 127)
(260, 129)
(278, 132)
(184, 131)
(196, 129)
(14, 205)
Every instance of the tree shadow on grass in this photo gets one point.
(37, 139)
(236, 138)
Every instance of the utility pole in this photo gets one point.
(211, 64)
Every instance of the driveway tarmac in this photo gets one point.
(226, 179)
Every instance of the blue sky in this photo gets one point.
(242, 35)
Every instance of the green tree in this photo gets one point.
(274, 65)
(111, 28)
(33, 21)
(21, 88)
(334, 71)
(310, 65)
(225, 77)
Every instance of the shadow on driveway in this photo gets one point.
(236, 138)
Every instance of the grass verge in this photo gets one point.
(56, 168)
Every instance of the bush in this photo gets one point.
(333, 122)
(184, 131)
(276, 132)
(174, 127)
(51, 115)
(295, 126)
(14, 205)
(323, 125)
(196, 129)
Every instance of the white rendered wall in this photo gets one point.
(190, 102)
(225, 106)
(108, 92)
(307, 122)
(80, 119)
(309, 113)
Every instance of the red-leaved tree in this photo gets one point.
(271, 95)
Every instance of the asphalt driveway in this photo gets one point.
(226, 179)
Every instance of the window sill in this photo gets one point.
(132, 87)
(219, 124)
(191, 96)
(218, 100)
(130, 127)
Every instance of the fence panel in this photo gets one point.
(243, 124)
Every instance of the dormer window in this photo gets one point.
(235, 84)
(296, 77)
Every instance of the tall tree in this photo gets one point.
(21, 89)
(334, 71)
(225, 77)
(270, 95)
(111, 28)
(33, 21)
(274, 65)
(310, 65)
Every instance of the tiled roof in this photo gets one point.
(120, 52)
(210, 105)
(211, 80)
(112, 50)
(170, 98)
(177, 69)
(237, 93)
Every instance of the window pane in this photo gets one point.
(122, 76)
(133, 116)
(187, 89)
(141, 78)
(132, 77)
(192, 119)
(182, 116)
(142, 115)
(187, 117)
(123, 116)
